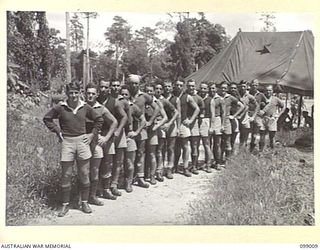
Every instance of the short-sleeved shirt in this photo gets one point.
(200, 104)
(229, 101)
(272, 104)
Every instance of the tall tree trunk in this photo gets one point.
(88, 58)
(117, 59)
(68, 63)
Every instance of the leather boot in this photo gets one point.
(107, 195)
(142, 183)
(64, 210)
(128, 187)
(217, 167)
(187, 173)
(159, 177)
(86, 208)
(207, 169)
(95, 201)
(169, 174)
(153, 180)
(115, 191)
(194, 170)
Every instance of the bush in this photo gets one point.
(269, 189)
(33, 172)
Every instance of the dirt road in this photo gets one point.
(163, 203)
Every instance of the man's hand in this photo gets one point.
(155, 127)
(222, 129)
(165, 126)
(60, 137)
(261, 113)
(251, 119)
(148, 124)
(231, 117)
(186, 122)
(102, 140)
(116, 133)
(87, 138)
(211, 129)
(132, 134)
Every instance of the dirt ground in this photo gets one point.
(163, 203)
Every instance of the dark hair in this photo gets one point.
(223, 82)
(210, 84)
(91, 86)
(73, 86)
(233, 83)
(104, 81)
(205, 82)
(149, 85)
(243, 82)
(180, 79)
(125, 86)
(115, 79)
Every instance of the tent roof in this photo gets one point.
(285, 59)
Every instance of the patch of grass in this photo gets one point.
(33, 171)
(273, 188)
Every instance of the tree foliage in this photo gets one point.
(119, 35)
(269, 23)
(196, 42)
(29, 45)
(41, 53)
(76, 33)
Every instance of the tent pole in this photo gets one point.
(299, 111)
(287, 96)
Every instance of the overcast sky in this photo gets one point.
(231, 21)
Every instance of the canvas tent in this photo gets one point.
(285, 59)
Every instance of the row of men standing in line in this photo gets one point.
(138, 127)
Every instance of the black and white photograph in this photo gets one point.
(164, 118)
